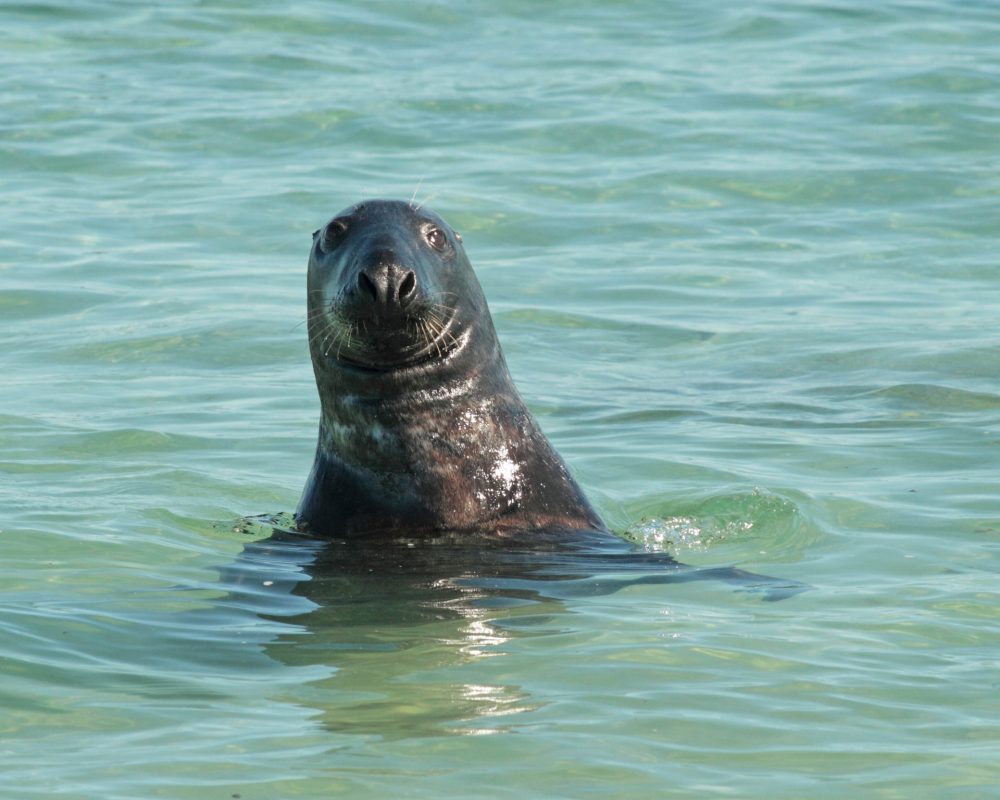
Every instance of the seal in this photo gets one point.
(422, 430)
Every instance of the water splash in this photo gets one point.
(712, 521)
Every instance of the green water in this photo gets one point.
(742, 258)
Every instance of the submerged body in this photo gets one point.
(421, 427)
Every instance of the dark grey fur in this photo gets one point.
(422, 429)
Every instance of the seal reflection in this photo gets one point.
(407, 625)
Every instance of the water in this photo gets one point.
(742, 260)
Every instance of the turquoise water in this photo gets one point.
(742, 258)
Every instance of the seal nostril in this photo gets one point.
(407, 286)
(367, 286)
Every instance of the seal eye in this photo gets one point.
(333, 235)
(435, 238)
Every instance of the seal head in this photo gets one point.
(422, 430)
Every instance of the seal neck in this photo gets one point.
(478, 368)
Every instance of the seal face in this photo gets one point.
(421, 429)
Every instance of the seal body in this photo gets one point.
(422, 430)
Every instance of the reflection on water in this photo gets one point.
(400, 620)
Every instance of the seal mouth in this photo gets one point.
(370, 345)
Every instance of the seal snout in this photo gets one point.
(384, 286)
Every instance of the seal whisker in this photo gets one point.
(433, 327)
(448, 310)
(321, 332)
(426, 202)
(435, 324)
(316, 314)
(445, 318)
(440, 328)
(439, 322)
(339, 341)
(440, 333)
(451, 337)
(310, 317)
(322, 345)
(419, 184)
(424, 339)
(336, 332)
(434, 338)
(315, 335)
(425, 334)
(350, 336)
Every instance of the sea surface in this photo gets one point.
(744, 261)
